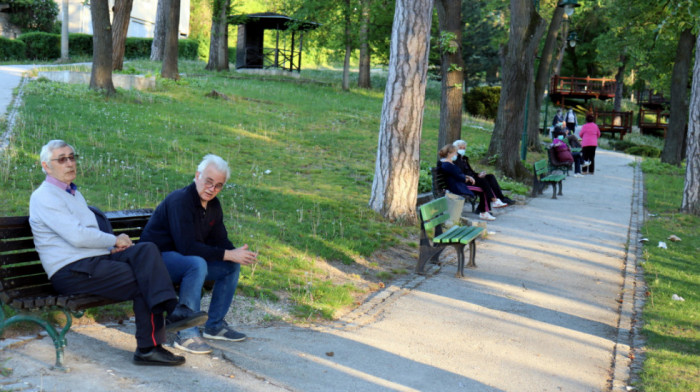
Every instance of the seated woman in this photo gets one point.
(487, 182)
(458, 183)
(575, 146)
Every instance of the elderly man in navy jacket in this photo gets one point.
(188, 227)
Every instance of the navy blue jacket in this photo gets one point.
(456, 180)
(181, 224)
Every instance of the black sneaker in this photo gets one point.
(225, 333)
(183, 317)
(158, 356)
(508, 200)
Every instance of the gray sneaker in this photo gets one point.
(225, 333)
(195, 345)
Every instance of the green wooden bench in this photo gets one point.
(432, 215)
(542, 176)
(25, 287)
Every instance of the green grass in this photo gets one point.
(672, 328)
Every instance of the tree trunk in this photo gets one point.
(64, 31)
(218, 46)
(172, 31)
(348, 48)
(619, 83)
(673, 145)
(542, 80)
(122, 16)
(452, 70)
(101, 76)
(562, 49)
(691, 192)
(363, 80)
(158, 45)
(517, 59)
(395, 186)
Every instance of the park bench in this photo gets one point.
(440, 185)
(432, 215)
(542, 176)
(25, 287)
(555, 163)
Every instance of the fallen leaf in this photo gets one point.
(330, 353)
(673, 238)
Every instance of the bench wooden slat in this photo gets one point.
(21, 270)
(471, 234)
(452, 235)
(18, 258)
(7, 245)
(431, 209)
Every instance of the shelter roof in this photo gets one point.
(273, 21)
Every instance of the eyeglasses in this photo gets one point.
(62, 160)
(208, 183)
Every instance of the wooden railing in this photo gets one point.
(614, 122)
(659, 118)
(567, 85)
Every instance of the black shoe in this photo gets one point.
(158, 356)
(508, 200)
(183, 317)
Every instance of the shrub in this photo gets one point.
(42, 46)
(621, 145)
(645, 151)
(80, 44)
(482, 101)
(137, 47)
(12, 49)
(187, 49)
(33, 15)
(425, 178)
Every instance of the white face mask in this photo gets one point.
(461, 152)
(454, 157)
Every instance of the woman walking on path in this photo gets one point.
(589, 141)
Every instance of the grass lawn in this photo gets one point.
(302, 154)
(672, 328)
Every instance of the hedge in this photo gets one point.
(79, 44)
(42, 46)
(11, 49)
(483, 101)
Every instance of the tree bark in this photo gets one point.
(363, 80)
(517, 58)
(218, 45)
(542, 80)
(676, 132)
(122, 16)
(395, 186)
(452, 70)
(158, 45)
(348, 47)
(619, 83)
(562, 49)
(172, 23)
(691, 191)
(101, 76)
(64, 30)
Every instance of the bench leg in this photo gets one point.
(561, 184)
(554, 190)
(472, 254)
(427, 252)
(459, 248)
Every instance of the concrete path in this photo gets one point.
(540, 313)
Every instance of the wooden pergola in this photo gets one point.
(250, 50)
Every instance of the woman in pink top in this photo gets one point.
(589, 134)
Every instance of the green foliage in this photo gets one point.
(33, 15)
(425, 178)
(482, 101)
(645, 151)
(485, 30)
(79, 44)
(187, 49)
(12, 49)
(448, 42)
(42, 46)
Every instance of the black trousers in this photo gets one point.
(589, 155)
(136, 273)
(490, 186)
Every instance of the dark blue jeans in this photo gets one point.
(578, 161)
(191, 272)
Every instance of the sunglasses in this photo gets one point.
(63, 160)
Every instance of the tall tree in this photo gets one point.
(101, 76)
(120, 27)
(363, 79)
(158, 44)
(518, 61)
(218, 45)
(395, 185)
(64, 30)
(172, 31)
(691, 191)
(542, 79)
(451, 69)
(676, 132)
(347, 12)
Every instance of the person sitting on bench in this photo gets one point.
(457, 181)
(81, 259)
(487, 182)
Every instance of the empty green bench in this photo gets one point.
(542, 176)
(432, 215)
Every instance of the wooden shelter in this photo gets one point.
(564, 87)
(250, 48)
(653, 112)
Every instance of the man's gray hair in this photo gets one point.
(218, 163)
(459, 142)
(47, 151)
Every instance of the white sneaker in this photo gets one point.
(586, 163)
(486, 216)
(578, 175)
(498, 204)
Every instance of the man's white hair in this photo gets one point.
(47, 151)
(218, 163)
(459, 142)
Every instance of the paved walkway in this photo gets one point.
(547, 309)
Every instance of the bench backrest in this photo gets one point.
(541, 167)
(21, 273)
(439, 182)
(434, 213)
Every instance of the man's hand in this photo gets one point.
(123, 242)
(241, 255)
(482, 174)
